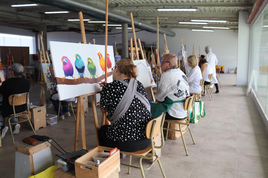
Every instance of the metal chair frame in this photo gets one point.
(152, 129)
(189, 107)
(17, 100)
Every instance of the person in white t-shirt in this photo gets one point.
(195, 76)
(174, 85)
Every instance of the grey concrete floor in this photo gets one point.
(231, 140)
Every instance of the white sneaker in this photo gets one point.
(67, 114)
(4, 131)
(17, 129)
(61, 117)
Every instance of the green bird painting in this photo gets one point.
(91, 68)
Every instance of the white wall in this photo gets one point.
(243, 46)
(224, 43)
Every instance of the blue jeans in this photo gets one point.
(64, 104)
(13, 120)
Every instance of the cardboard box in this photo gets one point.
(106, 169)
(38, 116)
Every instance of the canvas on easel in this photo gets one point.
(78, 68)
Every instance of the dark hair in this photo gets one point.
(202, 61)
(202, 56)
(126, 66)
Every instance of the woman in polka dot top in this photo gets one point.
(127, 133)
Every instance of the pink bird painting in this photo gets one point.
(67, 67)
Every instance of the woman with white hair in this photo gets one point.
(213, 61)
(195, 76)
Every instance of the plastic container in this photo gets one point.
(100, 156)
(63, 165)
(51, 119)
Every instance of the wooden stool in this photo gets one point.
(31, 160)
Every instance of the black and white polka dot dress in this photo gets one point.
(131, 126)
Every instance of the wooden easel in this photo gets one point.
(80, 103)
(166, 46)
(26, 70)
(10, 61)
(42, 59)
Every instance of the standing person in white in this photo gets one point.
(213, 61)
(195, 76)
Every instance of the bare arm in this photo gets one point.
(203, 68)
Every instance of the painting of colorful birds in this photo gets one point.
(79, 68)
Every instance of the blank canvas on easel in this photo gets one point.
(79, 68)
(144, 73)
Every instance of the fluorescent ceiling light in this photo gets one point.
(265, 26)
(219, 21)
(113, 25)
(178, 9)
(23, 5)
(77, 20)
(57, 12)
(120, 28)
(194, 23)
(96, 21)
(216, 27)
(202, 30)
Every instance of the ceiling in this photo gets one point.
(144, 11)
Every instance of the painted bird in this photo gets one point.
(80, 66)
(102, 62)
(91, 68)
(67, 67)
(109, 63)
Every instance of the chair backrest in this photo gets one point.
(157, 123)
(18, 99)
(188, 104)
(210, 77)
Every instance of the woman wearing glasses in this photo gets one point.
(173, 86)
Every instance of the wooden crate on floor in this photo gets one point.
(106, 169)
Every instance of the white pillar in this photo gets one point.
(243, 49)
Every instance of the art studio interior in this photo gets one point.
(133, 88)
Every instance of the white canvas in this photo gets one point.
(77, 82)
(144, 74)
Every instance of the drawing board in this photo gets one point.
(79, 68)
(144, 73)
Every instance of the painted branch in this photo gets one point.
(81, 80)
(134, 35)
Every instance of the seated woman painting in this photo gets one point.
(125, 100)
(173, 86)
(205, 70)
(194, 76)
